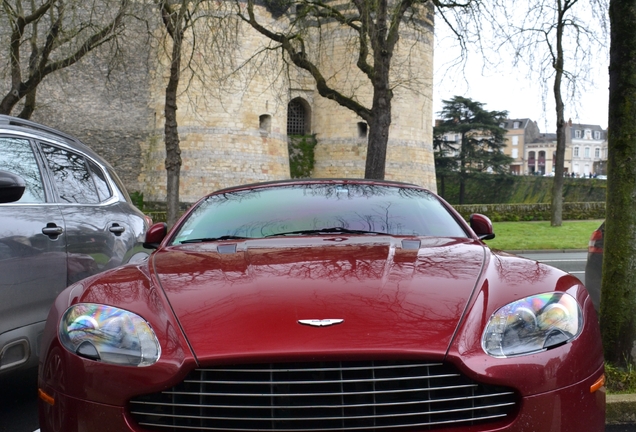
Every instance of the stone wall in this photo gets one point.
(214, 158)
(112, 116)
(341, 152)
(119, 111)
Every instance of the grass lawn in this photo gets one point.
(540, 235)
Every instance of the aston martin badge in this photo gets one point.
(320, 322)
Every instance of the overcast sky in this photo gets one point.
(510, 89)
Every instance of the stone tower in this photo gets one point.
(234, 127)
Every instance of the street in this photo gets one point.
(18, 400)
(571, 262)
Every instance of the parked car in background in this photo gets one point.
(324, 305)
(594, 265)
(64, 215)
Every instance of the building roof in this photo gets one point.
(523, 123)
(545, 138)
(581, 126)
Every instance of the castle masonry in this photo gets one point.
(234, 121)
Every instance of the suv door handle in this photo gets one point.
(52, 230)
(116, 229)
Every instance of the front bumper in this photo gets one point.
(570, 409)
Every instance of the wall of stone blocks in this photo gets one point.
(215, 158)
(120, 114)
(341, 152)
(112, 116)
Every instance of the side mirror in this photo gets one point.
(11, 187)
(155, 235)
(482, 226)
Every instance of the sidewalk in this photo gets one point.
(620, 409)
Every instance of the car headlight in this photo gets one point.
(109, 334)
(532, 324)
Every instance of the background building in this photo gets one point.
(589, 149)
(519, 133)
(535, 153)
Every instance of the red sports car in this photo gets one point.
(323, 305)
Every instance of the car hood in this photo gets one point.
(245, 299)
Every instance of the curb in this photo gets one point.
(519, 252)
(620, 408)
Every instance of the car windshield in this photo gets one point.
(316, 209)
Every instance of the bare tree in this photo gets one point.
(42, 37)
(177, 18)
(189, 25)
(375, 25)
(556, 40)
(618, 291)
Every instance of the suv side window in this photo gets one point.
(100, 181)
(17, 157)
(119, 186)
(73, 180)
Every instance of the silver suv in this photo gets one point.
(64, 215)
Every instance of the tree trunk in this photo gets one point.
(462, 169)
(378, 135)
(29, 105)
(11, 99)
(381, 107)
(557, 185)
(173, 151)
(618, 291)
(556, 209)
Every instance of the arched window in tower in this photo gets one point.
(298, 115)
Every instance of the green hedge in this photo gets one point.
(584, 199)
(504, 212)
(157, 216)
(506, 189)
(533, 212)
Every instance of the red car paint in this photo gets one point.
(397, 302)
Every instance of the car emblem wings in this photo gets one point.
(320, 322)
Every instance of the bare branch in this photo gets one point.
(299, 58)
(57, 44)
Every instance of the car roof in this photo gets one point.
(305, 181)
(15, 124)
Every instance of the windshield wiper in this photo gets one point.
(211, 239)
(339, 230)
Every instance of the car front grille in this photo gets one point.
(325, 396)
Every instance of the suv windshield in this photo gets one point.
(316, 209)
